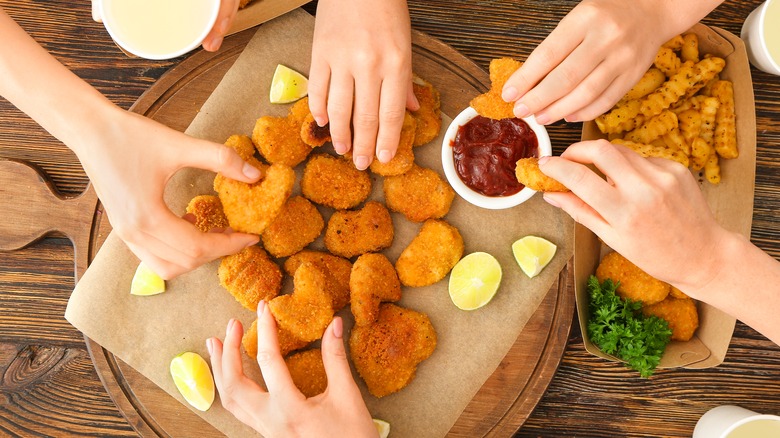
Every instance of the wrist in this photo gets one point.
(713, 265)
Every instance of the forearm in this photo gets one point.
(680, 16)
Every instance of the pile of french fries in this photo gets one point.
(680, 110)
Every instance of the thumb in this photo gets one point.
(221, 159)
(334, 357)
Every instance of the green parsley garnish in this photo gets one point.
(620, 329)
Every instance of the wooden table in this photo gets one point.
(48, 385)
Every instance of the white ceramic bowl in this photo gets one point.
(472, 196)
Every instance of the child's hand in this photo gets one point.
(227, 12)
(361, 75)
(282, 410)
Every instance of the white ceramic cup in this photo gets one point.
(722, 421)
(754, 36)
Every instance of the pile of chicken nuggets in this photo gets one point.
(387, 341)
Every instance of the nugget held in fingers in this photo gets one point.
(404, 155)
(250, 276)
(490, 104)
(634, 283)
(337, 268)
(529, 175)
(297, 225)
(373, 280)
(313, 134)
(431, 255)
(334, 182)
(428, 117)
(208, 213)
(352, 233)
(680, 313)
(308, 372)
(418, 194)
(307, 311)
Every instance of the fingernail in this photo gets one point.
(521, 110)
(361, 162)
(321, 121)
(260, 308)
(252, 243)
(208, 345)
(230, 325)
(572, 119)
(385, 156)
(542, 119)
(250, 171)
(510, 94)
(216, 43)
(341, 148)
(338, 327)
(550, 201)
(543, 160)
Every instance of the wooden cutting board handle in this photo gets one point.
(34, 208)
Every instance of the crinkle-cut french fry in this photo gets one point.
(690, 48)
(669, 92)
(614, 135)
(709, 110)
(689, 122)
(705, 70)
(653, 128)
(675, 43)
(648, 150)
(675, 139)
(706, 90)
(667, 61)
(725, 120)
(620, 119)
(700, 152)
(651, 80)
(658, 143)
(687, 104)
(712, 169)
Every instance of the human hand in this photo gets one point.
(362, 52)
(649, 210)
(282, 410)
(227, 12)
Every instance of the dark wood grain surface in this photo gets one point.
(48, 385)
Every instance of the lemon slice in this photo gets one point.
(288, 85)
(383, 427)
(533, 254)
(192, 377)
(474, 280)
(146, 282)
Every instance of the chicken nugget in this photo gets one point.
(428, 117)
(287, 342)
(372, 281)
(278, 138)
(208, 213)
(677, 293)
(418, 194)
(334, 182)
(680, 313)
(313, 134)
(352, 233)
(249, 208)
(404, 155)
(490, 104)
(297, 225)
(307, 311)
(337, 268)
(308, 372)
(633, 283)
(431, 255)
(386, 353)
(242, 145)
(529, 175)
(250, 276)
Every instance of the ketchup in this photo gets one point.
(486, 153)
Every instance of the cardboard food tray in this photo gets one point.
(731, 202)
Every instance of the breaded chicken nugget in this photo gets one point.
(307, 311)
(373, 280)
(418, 194)
(250, 276)
(334, 182)
(278, 138)
(677, 293)
(634, 283)
(387, 352)
(287, 342)
(490, 104)
(297, 225)
(313, 134)
(308, 372)
(404, 155)
(351, 233)
(681, 315)
(242, 145)
(337, 268)
(431, 255)
(428, 117)
(529, 175)
(208, 213)
(249, 208)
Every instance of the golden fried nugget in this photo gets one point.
(308, 372)
(428, 117)
(529, 175)
(334, 182)
(243, 3)
(633, 283)
(419, 194)
(297, 225)
(681, 315)
(242, 145)
(352, 233)
(337, 268)
(677, 293)
(490, 104)
(278, 138)
(312, 134)
(249, 208)
(208, 213)
(372, 281)
(287, 342)
(250, 276)
(386, 353)
(431, 255)
(307, 311)
(404, 155)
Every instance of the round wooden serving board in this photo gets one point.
(506, 399)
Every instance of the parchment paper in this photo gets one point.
(147, 332)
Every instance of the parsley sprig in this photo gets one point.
(620, 329)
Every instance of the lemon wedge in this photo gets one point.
(474, 280)
(533, 254)
(146, 282)
(383, 427)
(288, 85)
(193, 379)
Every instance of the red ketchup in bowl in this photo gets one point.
(486, 153)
